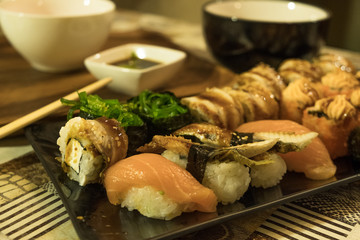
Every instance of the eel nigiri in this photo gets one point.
(156, 187)
(314, 161)
(228, 179)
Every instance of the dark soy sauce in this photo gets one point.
(135, 63)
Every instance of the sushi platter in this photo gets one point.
(84, 154)
(95, 218)
(155, 166)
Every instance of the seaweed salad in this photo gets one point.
(142, 116)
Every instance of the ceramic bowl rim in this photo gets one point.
(105, 64)
(236, 19)
(110, 8)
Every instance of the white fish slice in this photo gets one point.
(287, 141)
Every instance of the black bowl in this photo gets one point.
(240, 34)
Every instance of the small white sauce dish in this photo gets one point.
(131, 81)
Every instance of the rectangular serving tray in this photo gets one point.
(95, 218)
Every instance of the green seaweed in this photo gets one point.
(163, 112)
(93, 106)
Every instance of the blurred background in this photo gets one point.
(343, 33)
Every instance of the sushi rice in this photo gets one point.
(229, 180)
(151, 203)
(268, 175)
(79, 158)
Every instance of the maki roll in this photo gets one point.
(339, 82)
(329, 62)
(293, 68)
(93, 106)
(333, 118)
(88, 147)
(298, 95)
(250, 96)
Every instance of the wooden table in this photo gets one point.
(24, 89)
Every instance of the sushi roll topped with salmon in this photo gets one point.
(333, 118)
(339, 82)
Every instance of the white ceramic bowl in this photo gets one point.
(56, 35)
(132, 81)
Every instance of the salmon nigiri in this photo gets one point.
(314, 161)
(156, 187)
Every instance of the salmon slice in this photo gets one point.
(148, 169)
(314, 161)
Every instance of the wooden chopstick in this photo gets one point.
(48, 109)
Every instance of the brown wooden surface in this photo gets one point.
(24, 89)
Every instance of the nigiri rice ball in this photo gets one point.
(228, 180)
(268, 175)
(175, 158)
(151, 203)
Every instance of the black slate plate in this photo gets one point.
(95, 218)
